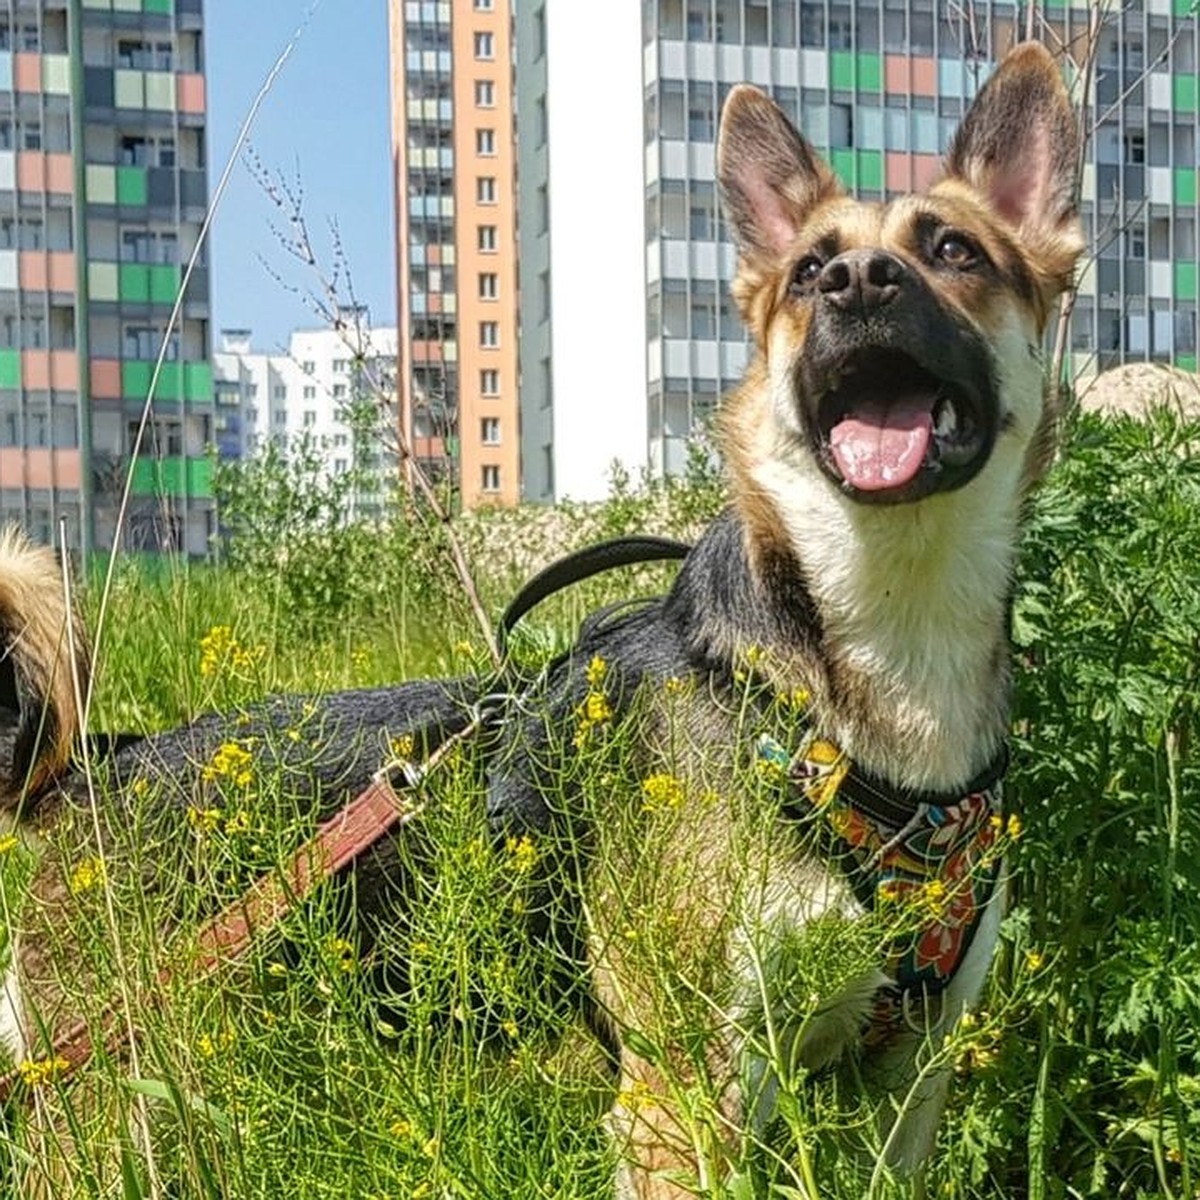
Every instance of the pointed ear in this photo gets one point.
(1018, 144)
(769, 175)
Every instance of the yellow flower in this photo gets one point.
(597, 669)
(661, 791)
(934, 896)
(464, 649)
(1015, 827)
(215, 645)
(509, 1027)
(342, 953)
(401, 1128)
(754, 655)
(636, 1096)
(596, 708)
(523, 853)
(35, 1072)
(8, 842)
(238, 823)
(1034, 959)
(359, 658)
(204, 820)
(402, 747)
(87, 874)
(674, 686)
(231, 762)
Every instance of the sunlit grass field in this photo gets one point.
(291, 1075)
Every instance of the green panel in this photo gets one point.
(197, 381)
(1185, 185)
(134, 282)
(170, 382)
(870, 169)
(164, 284)
(158, 6)
(1185, 362)
(870, 72)
(135, 378)
(10, 368)
(1185, 281)
(841, 70)
(1184, 87)
(1184, 8)
(843, 164)
(199, 477)
(131, 186)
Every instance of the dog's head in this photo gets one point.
(902, 341)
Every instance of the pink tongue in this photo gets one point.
(883, 447)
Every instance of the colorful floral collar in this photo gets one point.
(932, 857)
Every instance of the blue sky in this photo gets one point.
(324, 123)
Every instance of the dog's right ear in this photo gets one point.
(770, 176)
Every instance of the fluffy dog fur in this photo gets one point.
(883, 600)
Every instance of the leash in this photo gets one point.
(375, 812)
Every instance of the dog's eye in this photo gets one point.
(807, 272)
(957, 251)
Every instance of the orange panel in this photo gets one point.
(35, 369)
(31, 270)
(899, 171)
(61, 270)
(189, 93)
(39, 472)
(433, 255)
(924, 76)
(27, 72)
(105, 377)
(64, 370)
(12, 468)
(60, 174)
(896, 76)
(925, 168)
(67, 472)
(31, 171)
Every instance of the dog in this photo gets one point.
(819, 699)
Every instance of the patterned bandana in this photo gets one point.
(934, 860)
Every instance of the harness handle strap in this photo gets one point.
(583, 564)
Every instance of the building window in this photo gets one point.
(339, 391)
(483, 5)
(489, 286)
(539, 33)
(489, 431)
(491, 478)
(489, 334)
(485, 141)
(341, 366)
(487, 238)
(279, 392)
(308, 367)
(485, 93)
(485, 189)
(489, 382)
(310, 393)
(310, 418)
(485, 46)
(31, 135)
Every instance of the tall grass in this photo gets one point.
(305, 1071)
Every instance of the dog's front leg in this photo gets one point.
(668, 1153)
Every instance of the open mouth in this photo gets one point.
(889, 429)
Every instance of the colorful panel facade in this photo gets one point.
(100, 205)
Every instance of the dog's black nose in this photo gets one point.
(861, 280)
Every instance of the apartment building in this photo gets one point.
(454, 159)
(103, 188)
(332, 392)
(879, 86)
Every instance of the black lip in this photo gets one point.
(920, 349)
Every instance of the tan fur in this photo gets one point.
(34, 626)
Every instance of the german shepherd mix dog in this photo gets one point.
(879, 450)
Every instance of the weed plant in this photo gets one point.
(446, 1059)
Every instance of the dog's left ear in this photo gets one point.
(1018, 147)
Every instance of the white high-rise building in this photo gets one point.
(331, 392)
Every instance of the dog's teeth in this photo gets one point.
(946, 419)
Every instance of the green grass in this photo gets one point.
(292, 1073)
